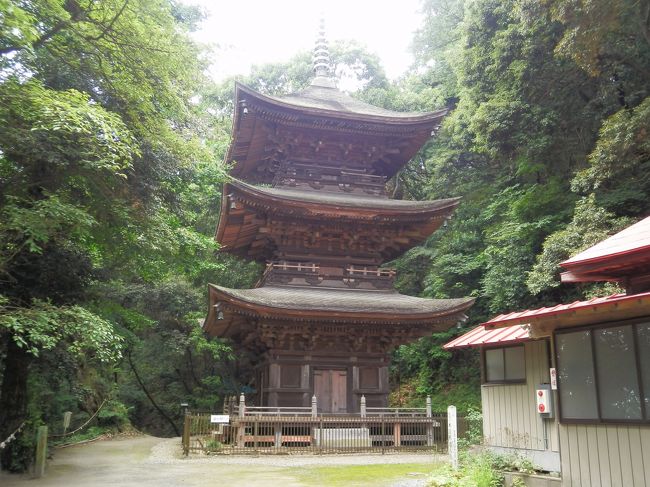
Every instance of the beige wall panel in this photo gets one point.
(583, 454)
(605, 455)
(509, 416)
(593, 463)
(636, 457)
(625, 455)
(566, 451)
(645, 451)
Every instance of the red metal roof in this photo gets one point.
(522, 316)
(633, 239)
(482, 336)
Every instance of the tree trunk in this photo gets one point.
(13, 398)
(150, 397)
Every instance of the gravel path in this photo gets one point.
(147, 461)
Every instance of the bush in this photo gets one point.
(484, 469)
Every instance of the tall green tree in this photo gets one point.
(100, 144)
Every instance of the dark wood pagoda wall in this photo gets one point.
(288, 379)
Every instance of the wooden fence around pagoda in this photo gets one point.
(273, 430)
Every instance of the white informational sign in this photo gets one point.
(452, 435)
(553, 374)
(219, 418)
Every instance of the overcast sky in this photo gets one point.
(248, 32)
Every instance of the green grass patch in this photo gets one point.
(363, 475)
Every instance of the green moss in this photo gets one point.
(363, 475)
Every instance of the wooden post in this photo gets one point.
(397, 434)
(186, 434)
(256, 432)
(277, 435)
(383, 434)
(242, 405)
(363, 406)
(452, 430)
(241, 424)
(66, 421)
(41, 452)
(430, 441)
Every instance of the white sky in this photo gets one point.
(248, 32)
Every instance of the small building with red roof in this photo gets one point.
(568, 386)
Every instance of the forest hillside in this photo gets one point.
(112, 139)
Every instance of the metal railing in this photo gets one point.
(272, 430)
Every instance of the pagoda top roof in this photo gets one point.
(332, 305)
(329, 101)
(323, 114)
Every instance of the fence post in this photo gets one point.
(242, 405)
(452, 430)
(314, 406)
(241, 426)
(430, 436)
(41, 452)
(363, 406)
(186, 434)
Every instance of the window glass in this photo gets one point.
(643, 334)
(618, 385)
(515, 363)
(576, 375)
(494, 364)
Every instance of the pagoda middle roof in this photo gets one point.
(341, 200)
(245, 208)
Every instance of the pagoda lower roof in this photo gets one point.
(331, 305)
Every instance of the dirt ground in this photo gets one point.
(148, 461)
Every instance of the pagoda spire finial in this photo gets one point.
(322, 62)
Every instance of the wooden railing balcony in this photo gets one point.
(330, 179)
(312, 274)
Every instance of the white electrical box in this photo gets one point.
(544, 400)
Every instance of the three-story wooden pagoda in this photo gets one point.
(308, 198)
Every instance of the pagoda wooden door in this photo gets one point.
(330, 388)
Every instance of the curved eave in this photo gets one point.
(262, 200)
(233, 305)
(416, 130)
(316, 202)
(426, 118)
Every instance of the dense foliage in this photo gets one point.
(111, 142)
(108, 195)
(547, 145)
